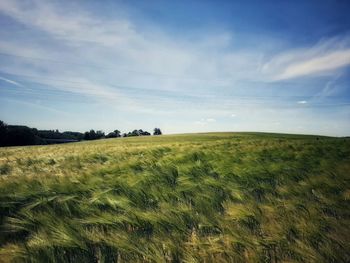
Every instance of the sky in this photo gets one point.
(182, 66)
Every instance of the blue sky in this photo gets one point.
(183, 66)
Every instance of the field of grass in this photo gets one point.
(219, 197)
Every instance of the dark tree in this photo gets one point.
(117, 133)
(139, 132)
(134, 133)
(100, 134)
(92, 135)
(21, 135)
(114, 134)
(16, 135)
(87, 135)
(3, 133)
(73, 135)
(3, 125)
(157, 131)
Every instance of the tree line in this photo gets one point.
(17, 135)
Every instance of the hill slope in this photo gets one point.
(220, 197)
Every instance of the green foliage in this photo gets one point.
(218, 197)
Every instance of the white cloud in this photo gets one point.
(324, 58)
(158, 59)
(319, 65)
(77, 25)
(205, 121)
(233, 115)
(155, 57)
(11, 82)
(302, 102)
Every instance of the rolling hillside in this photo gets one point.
(216, 197)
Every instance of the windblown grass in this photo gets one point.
(225, 197)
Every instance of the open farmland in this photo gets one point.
(216, 197)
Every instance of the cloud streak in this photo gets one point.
(319, 65)
(322, 59)
(11, 82)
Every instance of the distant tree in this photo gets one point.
(16, 135)
(117, 133)
(86, 136)
(90, 135)
(73, 135)
(99, 135)
(114, 134)
(157, 131)
(3, 133)
(50, 134)
(134, 133)
(21, 135)
(3, 125)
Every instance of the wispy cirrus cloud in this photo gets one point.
(77, 24)
(324, 58)
(11, 82)
(156, 57)
(148, 52)
(318, 65)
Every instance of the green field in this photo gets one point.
(216, 197)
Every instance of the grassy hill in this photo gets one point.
(218, 197)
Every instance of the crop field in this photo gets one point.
(215, 197)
